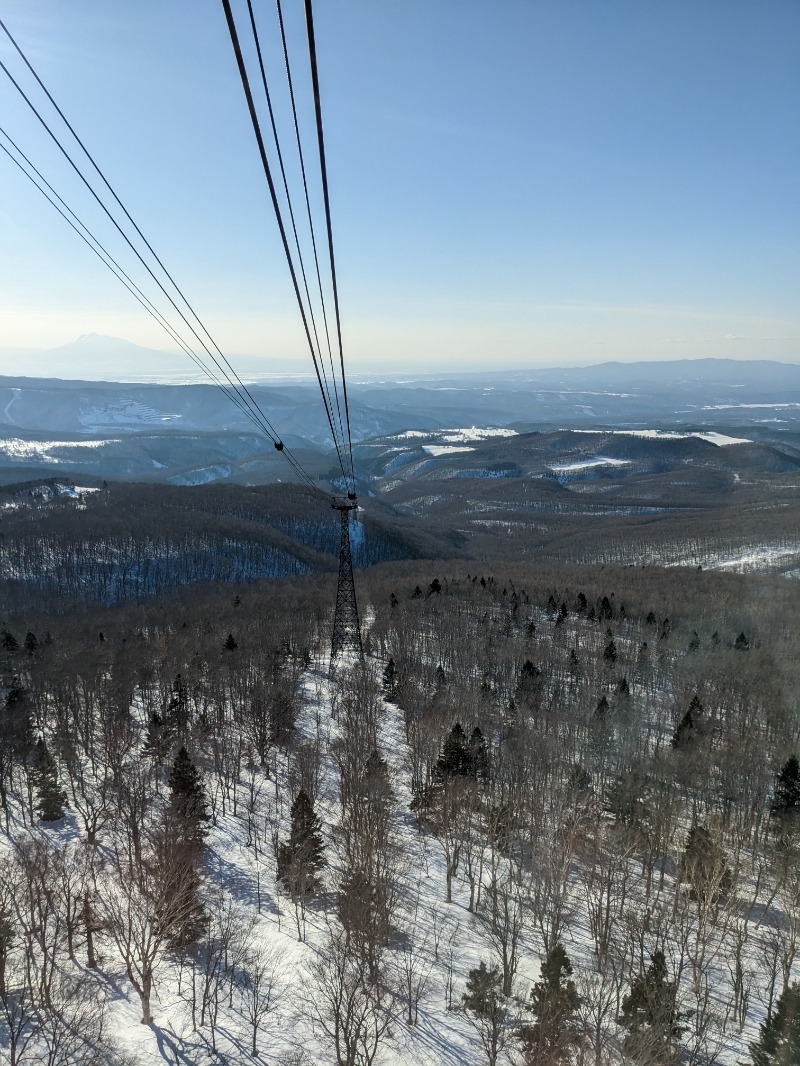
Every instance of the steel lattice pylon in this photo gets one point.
(346, 626)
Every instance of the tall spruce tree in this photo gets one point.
(454, 760)
(689, 727)
(9, 642)
(785, 806)
(778, 1043)
(179, 849)
(188, 809)
(482, 988)
(478, 755)
(554, 1004)
(703, 867)
(650, 1014)
(485, 1008)
(159, 739)
(390, 681)
(301, 858)
(51, 798)
(176, 714)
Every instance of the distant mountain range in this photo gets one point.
(97, 357)
(192, 433)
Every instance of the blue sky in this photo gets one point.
(514, 183)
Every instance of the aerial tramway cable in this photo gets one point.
(105, 257)
(237, 392)
(234, 35)
(346, 624)
(301, 159)
(92, 242)
(235, 377)
(287, 194)
(230, 374)
(312, 54)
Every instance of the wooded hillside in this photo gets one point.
(555, 817)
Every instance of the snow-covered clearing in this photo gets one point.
(477, 433)
(21, 450)
(124, 412)
(756, 559)
(444, 449)
(587, 464)
(720, 439)
(735, 406)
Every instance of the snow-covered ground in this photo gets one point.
(756, 559)
(720, 439)
(22, 450)
(446, 939)
(445, 449)
(124, 412)
(736, 406)
(240, 875)
(455, 436)
(477, 433)
(587, 464)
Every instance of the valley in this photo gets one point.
(568, 750)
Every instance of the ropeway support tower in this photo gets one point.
(346, 625)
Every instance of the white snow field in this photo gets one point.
(445, 449)
(21, 450)
(720, 439)
(587, 464)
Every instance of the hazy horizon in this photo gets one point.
(546, 184)
(134, 365)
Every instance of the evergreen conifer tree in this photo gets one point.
(9, 642)
(605, 610)
(482, 988)
(51, 798)
(650, 1014)
(554, 1004)
(188, 810)
(176, 715)
(704, 867)
(689, 727)
(8, 935)
(785, 806)
(17, 730)
(179, 849)
(301, 858)
(455, 758)
(390, 680)
(602, 708)
(159, 738)
(528, 684)
(485, 1008)
(779, 1038)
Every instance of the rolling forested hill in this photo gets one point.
(550, 785)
